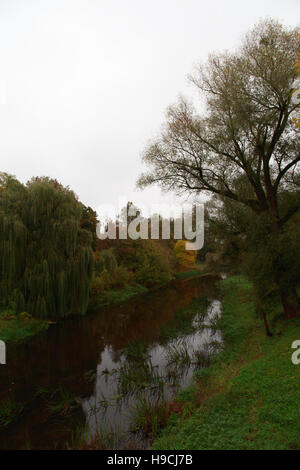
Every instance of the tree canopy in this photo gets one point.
(241, 143)
(46, 257)
(245, 129)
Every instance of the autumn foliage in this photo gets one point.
(185, 258)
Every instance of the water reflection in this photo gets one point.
(94, 358)
(156, 372)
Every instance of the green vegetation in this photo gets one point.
(10, 411)
(53, 264)
(149, 416)
(241, 146)
(115, 296)
(248, 398)
(136, 350)
(63, 404)
(19, 327)
(46, 256)
(126, 268)
(59, 402)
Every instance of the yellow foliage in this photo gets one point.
(183, 256)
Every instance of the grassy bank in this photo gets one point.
(249, 397)
(16, 328)
(116, 296)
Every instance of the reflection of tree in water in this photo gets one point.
(115, 354)
(147, 376)
(75, 354)
(142, 319)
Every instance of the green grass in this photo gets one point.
(248, 398)
(17, 328)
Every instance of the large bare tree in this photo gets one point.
(242, 130)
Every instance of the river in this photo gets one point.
(86, 377)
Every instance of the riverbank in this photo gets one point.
(248, 398)
(22, 327)
(113, 296)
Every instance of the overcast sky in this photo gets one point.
(84, 84)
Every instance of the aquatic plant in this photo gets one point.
(136, 350)
(58, 401)
(10, 410)
(201, 358)
(178, 353)
(106, 437)
(134, 376)
(148, 415)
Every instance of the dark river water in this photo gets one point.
(85, 377)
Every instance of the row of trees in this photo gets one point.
(53, 264)
(120, 263)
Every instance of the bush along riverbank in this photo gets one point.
(248, 398)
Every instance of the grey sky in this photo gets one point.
(84, 84)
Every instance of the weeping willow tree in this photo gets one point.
(46, 255)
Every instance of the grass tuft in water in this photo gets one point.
(10, 411)
(149, 416)
(135, 376)
(59, 402)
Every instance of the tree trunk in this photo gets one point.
(267, 329)
(261, 311)
(289, 298)
(290, 302)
